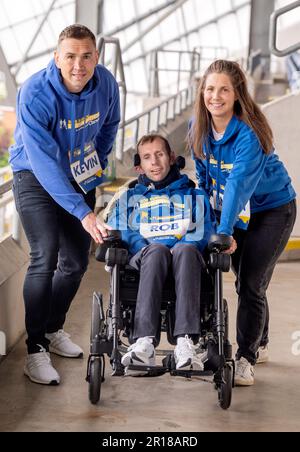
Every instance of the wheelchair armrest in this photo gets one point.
(116, 256)
(219, 243)
(220, 261)
(113, 240)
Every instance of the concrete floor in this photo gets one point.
(165, 403)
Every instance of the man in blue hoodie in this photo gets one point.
(67, 121)
(166, 224)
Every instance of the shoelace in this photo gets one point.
(186, 347)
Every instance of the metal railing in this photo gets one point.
(184, 62)
(6, 202)
(188, 62)
(209, 54)
(155, 117)
(273, 31)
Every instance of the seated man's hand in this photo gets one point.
(233, 247)
(95, 227)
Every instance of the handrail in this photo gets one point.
(171, 106)
(154, 84)
(6, 198)
(117, 66)
(6, 187)
(273, 31)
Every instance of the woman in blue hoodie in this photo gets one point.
(236, 164)
(67, 120)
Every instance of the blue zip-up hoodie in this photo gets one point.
(178, 213)
(238, 167)
(51, 121)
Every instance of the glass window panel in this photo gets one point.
(243, 18)
(10, 46)
(18, 10)
(230, 40)
(222, 6)
(204, 10)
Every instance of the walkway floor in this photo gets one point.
(165, 403)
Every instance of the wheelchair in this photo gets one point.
(106, 328)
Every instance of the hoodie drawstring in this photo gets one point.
(218, 178)
(73, 131)
(207, 184)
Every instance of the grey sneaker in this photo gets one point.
(141, 353)
(185, 355)
(61, 344)
(39, 369)
(262, 355)
(244, 373)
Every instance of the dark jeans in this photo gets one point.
(259, 249)
(59, 257)
(155, 263)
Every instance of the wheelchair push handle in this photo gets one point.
(112, 236)
(113, 239)
(219, 243)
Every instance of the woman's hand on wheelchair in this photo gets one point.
(95, 227)
(233, 247)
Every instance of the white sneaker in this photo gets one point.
(61, 344)
(244, 373)
(39, 369)
(185, 355)
(262, 355)
(141, 353)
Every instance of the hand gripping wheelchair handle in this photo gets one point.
(113, 240)
(219, 243)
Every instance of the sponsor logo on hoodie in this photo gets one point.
(81, 123)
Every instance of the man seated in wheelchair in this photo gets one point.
(166, 223)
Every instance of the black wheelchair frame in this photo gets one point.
(106, 329)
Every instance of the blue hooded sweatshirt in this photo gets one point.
(238, 170)
(178, 213)
(52, 122)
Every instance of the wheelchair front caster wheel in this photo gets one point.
(225, 388)
(95, 379)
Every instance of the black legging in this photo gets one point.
(259, 249)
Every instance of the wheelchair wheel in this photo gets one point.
(95, 379)
(225, 389)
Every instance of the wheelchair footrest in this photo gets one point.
(191, 373)
(146, 371)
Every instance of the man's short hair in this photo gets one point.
(150, 138)
(76, 31)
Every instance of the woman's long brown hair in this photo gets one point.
(244, 108)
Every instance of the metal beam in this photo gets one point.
(193, 30)
(177, 5)
(7, 83)
(34, 37)
(140, 18)
(260, 30)
(90, 14)
(113, 32)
